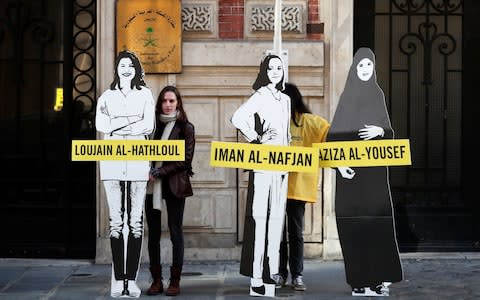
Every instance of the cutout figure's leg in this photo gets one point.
(118, 253)
(284, 254)
(115, 191)
(136, 191)
(259, 214)
(115, 194)
(262, 284)
(276, 219)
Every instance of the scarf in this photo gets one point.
(169, 121)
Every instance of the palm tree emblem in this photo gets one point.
(149, 41)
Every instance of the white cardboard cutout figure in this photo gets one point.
(126, 111)
(363, 203)
(264, 119)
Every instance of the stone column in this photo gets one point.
(105, 65)
(337, 16)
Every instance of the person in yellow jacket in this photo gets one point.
(306, 129)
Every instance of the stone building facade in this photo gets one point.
(222, 44)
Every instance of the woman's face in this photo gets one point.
(126, 69)
(169, 103)
(275, 70)
(365, 69)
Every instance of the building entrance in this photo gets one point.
(47, 78)
(426, 52)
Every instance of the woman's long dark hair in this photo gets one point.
(262, 77)
(182, 116)
(298, 107)
(137, 81)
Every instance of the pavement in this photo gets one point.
(452, 276)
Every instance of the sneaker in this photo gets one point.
(298, 285)
(134, 290)
(280, 281)
(375, 291)
(257, 290)
(116, 288)
(356, 291)
(385, 288)
(369, 292)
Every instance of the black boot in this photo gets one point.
(157, 285)
(174, 285)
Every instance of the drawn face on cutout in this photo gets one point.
(365, 69)
(169, 103)
(126, 68)
(275, 70)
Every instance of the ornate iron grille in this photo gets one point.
(84, 67)
(48, 203)
(83, 91)
(418, 46)
(423, 88)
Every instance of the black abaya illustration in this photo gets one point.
(363, 203)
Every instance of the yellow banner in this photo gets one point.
(264, 157)
(58, 99)
(364, 153)
(152, 150)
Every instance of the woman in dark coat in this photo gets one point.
(172, 183)
(363, 203)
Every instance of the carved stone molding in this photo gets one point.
(259, 19)
(263, 18)
(199, 19)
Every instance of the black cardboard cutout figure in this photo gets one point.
(125, 111)
(264, 119)
(363, 202)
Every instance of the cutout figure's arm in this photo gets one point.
(267, 135)
(346, 172)
(142, 125)
(289, 135)
(371, 131)
(106, 123)
(242, 118)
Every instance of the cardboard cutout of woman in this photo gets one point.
(126, 111)
(363, 205)
(264, 119)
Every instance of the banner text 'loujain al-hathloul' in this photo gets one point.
(364, 153)
(151, 150)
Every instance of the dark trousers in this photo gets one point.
(291, 251)
(175, 209)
